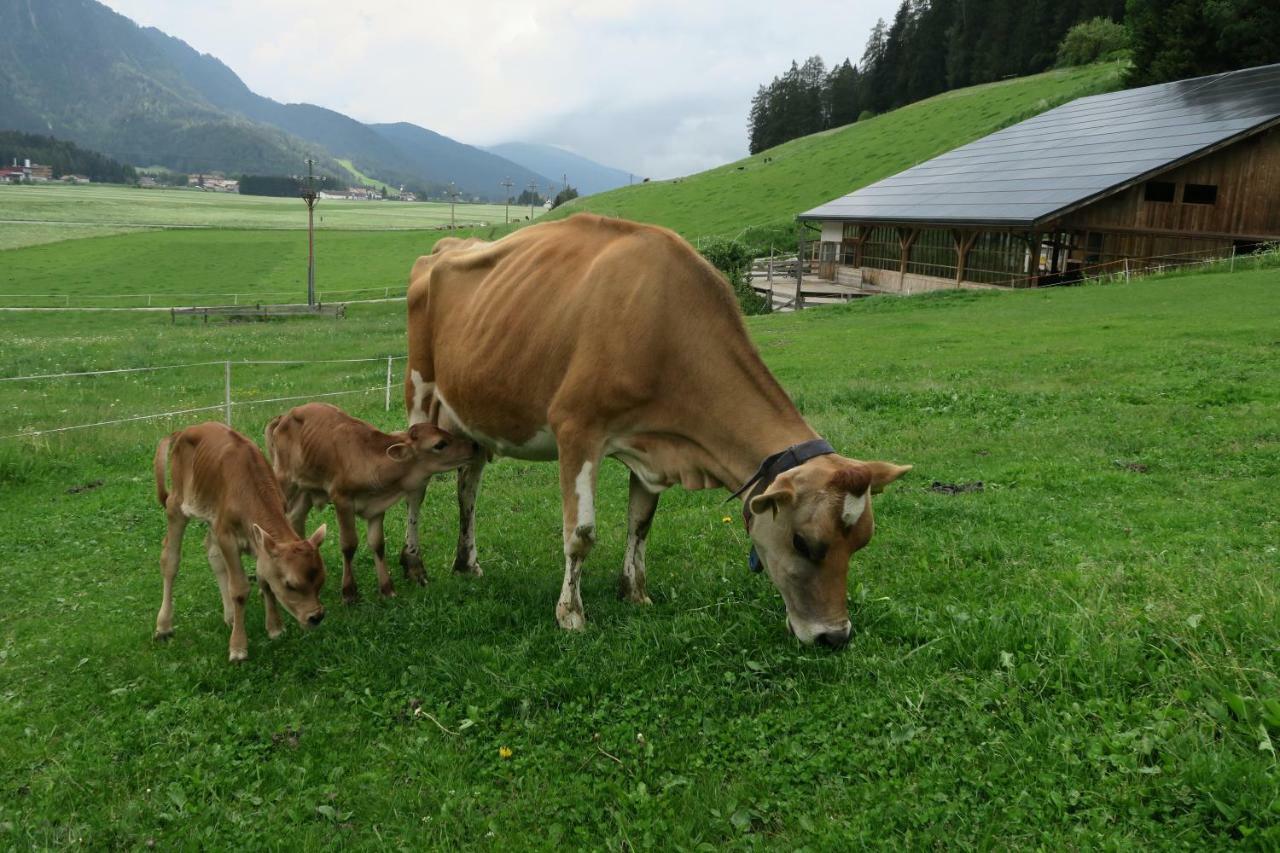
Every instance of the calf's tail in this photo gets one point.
(161, 462)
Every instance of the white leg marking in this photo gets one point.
(586, 497)
(421, 390)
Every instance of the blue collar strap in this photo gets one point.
(770, 468)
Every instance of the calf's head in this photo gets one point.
(294, 572)
(806, 526)
(432, 448)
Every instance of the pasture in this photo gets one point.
(1080, 653)
(41, 213)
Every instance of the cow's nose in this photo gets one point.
(316, 618)
(835, 639)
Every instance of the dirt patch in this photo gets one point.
(955, 488)
(1136, 467)
(84, 487)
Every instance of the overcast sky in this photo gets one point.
(657, 87)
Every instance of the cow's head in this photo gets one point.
(432, 448)
(806, 526)
(294, 572)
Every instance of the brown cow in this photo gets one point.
(591, 337)
(221, 477)
(322, 455)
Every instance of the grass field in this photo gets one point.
(42, 213)
(1082, 654)
(771, 187)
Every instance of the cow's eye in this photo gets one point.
(441, 444)
(801, 546)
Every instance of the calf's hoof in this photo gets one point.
(387, 591)
(238, 655)
(271, 635)
(162, 636)
(463, 566)
(412, 565)
(570, 620)
(628, 592)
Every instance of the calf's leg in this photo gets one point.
(464, 561)
(378, 544)
(348, 539)
(411, 553)
(214, 551)
(298, 507)
(274, 626)
(579, 464)
(170, 557)
(238, 587)
(641, 505)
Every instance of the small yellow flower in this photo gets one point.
(504, 752)
(727, 520)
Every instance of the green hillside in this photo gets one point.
(774, 185)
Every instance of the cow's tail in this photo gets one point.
(268, 439)
(161, 462)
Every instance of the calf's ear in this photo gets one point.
(884, 473)
(264, 539)
(318, 537)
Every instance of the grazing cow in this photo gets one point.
(321, 455)
(592, 337)
(221, 477)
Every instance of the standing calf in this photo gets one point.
(221, 477)
(323, 455)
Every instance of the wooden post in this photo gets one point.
(906, 238)
(964, 242)
(1033, 257)
(799, 300)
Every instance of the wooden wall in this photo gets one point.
(1247, 175)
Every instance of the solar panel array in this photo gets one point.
(1025, 173)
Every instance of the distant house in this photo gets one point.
(39, 173)
(332, 194)
(147, 182)
(75, 179)
(27, 172)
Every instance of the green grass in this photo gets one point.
(806, 172)
(1081, 655)
(41, 213)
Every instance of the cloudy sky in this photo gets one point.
(657, 87)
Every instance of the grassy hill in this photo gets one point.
(773, 186)
(1080, 655)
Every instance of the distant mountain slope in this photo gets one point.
(79, 70)
(770, 188)
(587, 176)
(472, 169)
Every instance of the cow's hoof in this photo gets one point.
(350, 596)
(628, 592)
(162, 636)
(462, 566)
(388, 591)
(238, 655)
(271, 635)
(412, 565)
(571, 620)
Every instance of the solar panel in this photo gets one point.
(1030, 171)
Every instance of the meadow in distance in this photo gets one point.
(1080, 653)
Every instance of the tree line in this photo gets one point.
(932, 46)
(65, 158)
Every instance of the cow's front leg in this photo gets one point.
(464, 561)
(579, 461)
(641, 505)
(411, 553)
(214, 552)
(170, 557)
(238, 587)
(347, 539)
(298, 506)
(378, 544)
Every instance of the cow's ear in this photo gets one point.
(777, 496)
(399, 451)
(884, 473)
(267, 543)
(318, 537)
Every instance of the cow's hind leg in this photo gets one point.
(298, 506)
(579, 464)
(464, 561)
(378, 544)
(411, 553)
(170, 557)
(347, 538)
(641, 505)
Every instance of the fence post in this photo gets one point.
(387, 404)
(235, 299)
(148, 300)
(1233, 257)
(1126, 269)
(227, 376)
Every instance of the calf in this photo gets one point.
(220, 477)
(323, 455)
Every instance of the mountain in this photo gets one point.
(80, 71)
(763, 193)
(586, 176)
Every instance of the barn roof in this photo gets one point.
(1071, 155)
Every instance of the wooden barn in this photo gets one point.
(1158, 176)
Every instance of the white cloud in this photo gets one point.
(660, 87)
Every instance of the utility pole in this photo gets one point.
(309, 196)
(533, 196)
(453, 199)
(507, 184)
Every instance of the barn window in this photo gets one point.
(1200, 194)
(1159, 191)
